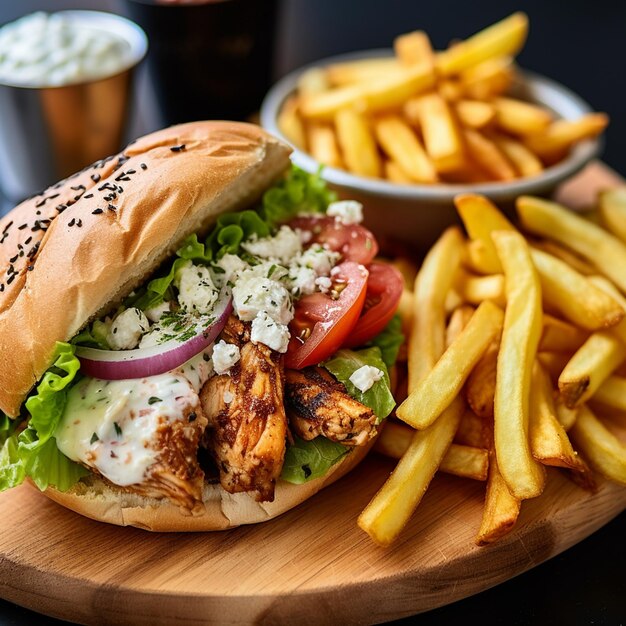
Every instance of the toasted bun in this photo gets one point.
(71, 252)
(104, 502)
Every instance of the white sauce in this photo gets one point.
(112, 425)
(43, 50)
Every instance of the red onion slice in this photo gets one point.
(143, 362)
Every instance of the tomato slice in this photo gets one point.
(323, 321)
(384, 290)
(353, 241)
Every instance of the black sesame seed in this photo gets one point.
(61, 208)
(95, 178)
(22, 227)
(89, 195)
(79, 223)
(112, 207)
(143, 166)
(11, 279)
(178, 148)
(4, 230)
(78, 187)
(1, 287)
(72, 222)
(13, 259)
(192, 417)
(96, 212)
(30, 268)
(30, 238)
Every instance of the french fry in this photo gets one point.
(565, 415)
(312, 81)
(480, 387)
(519, 117)
(481, 217)
(503, 38)
(612, 393)
(560, 252)
(436, 391)
(473, 431)
(478, 257)
(476, 289)
(401, 144)
(385, 516)
(590, 366)
(290, 124)
(489, 79)
(619, 330)
(523, 160)
(322, 142)
(576, 297)
(487, 154)
(612, 208)
(357, 143)
(554, 363)
(464, 461)
(501, 508)
(442, 139)
(395, 174)
(432, 284)
(601, 448)
(560, 336)
(459, 319)
(450, 89)
(360, 71)
(524, 476)
(414, 48)
(475, 113)
(601, 249)
(549, 442)
(381, 94)
(560, 135)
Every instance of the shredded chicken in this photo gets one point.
(317, 404)
(247, 425)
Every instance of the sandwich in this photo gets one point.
(195, 334)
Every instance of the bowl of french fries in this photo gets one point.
(514, 365)
(406, 129)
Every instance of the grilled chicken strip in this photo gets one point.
(247, 423)
(317, 404)
(176, 474)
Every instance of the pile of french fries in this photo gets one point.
(515, 360)
(428, 117)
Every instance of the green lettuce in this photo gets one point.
(378, 397)
(307, 460)
(299, 192)
(33, 452)
(389, 341)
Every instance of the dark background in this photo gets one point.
(579, 43)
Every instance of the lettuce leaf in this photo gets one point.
(389, 341)
(307, 460)
(33, 452)
(299, 192)
(378, 397)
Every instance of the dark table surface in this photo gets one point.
(583, 585)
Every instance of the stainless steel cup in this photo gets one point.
(48, 133)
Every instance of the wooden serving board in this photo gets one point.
(311, 561)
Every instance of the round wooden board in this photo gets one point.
(311, 561)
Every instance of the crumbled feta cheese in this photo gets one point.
(318, 258)
(267, 269)
(126, 329)
(252, 295)
(228, 397)
(266, 331)
(302, 280)
(196, 289)
(323, 283)
(365, 377)
(283, 246)
(155, 313)
(225, 355)
(231, 265)
(305, 235)
(346, 211)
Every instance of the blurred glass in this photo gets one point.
(207, 59)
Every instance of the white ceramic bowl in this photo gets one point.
(417, 214)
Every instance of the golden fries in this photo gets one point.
(468, 123)
(520, 337)
(357, 143)
(612, 207)
(436, 391)
(553, 221)
(506, 395)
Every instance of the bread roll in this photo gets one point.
(73, 251)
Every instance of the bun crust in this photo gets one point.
(101, 501)
(73, 251)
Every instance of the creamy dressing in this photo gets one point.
(112, 426)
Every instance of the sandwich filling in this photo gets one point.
(259, 354)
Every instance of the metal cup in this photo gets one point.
(48, 133)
